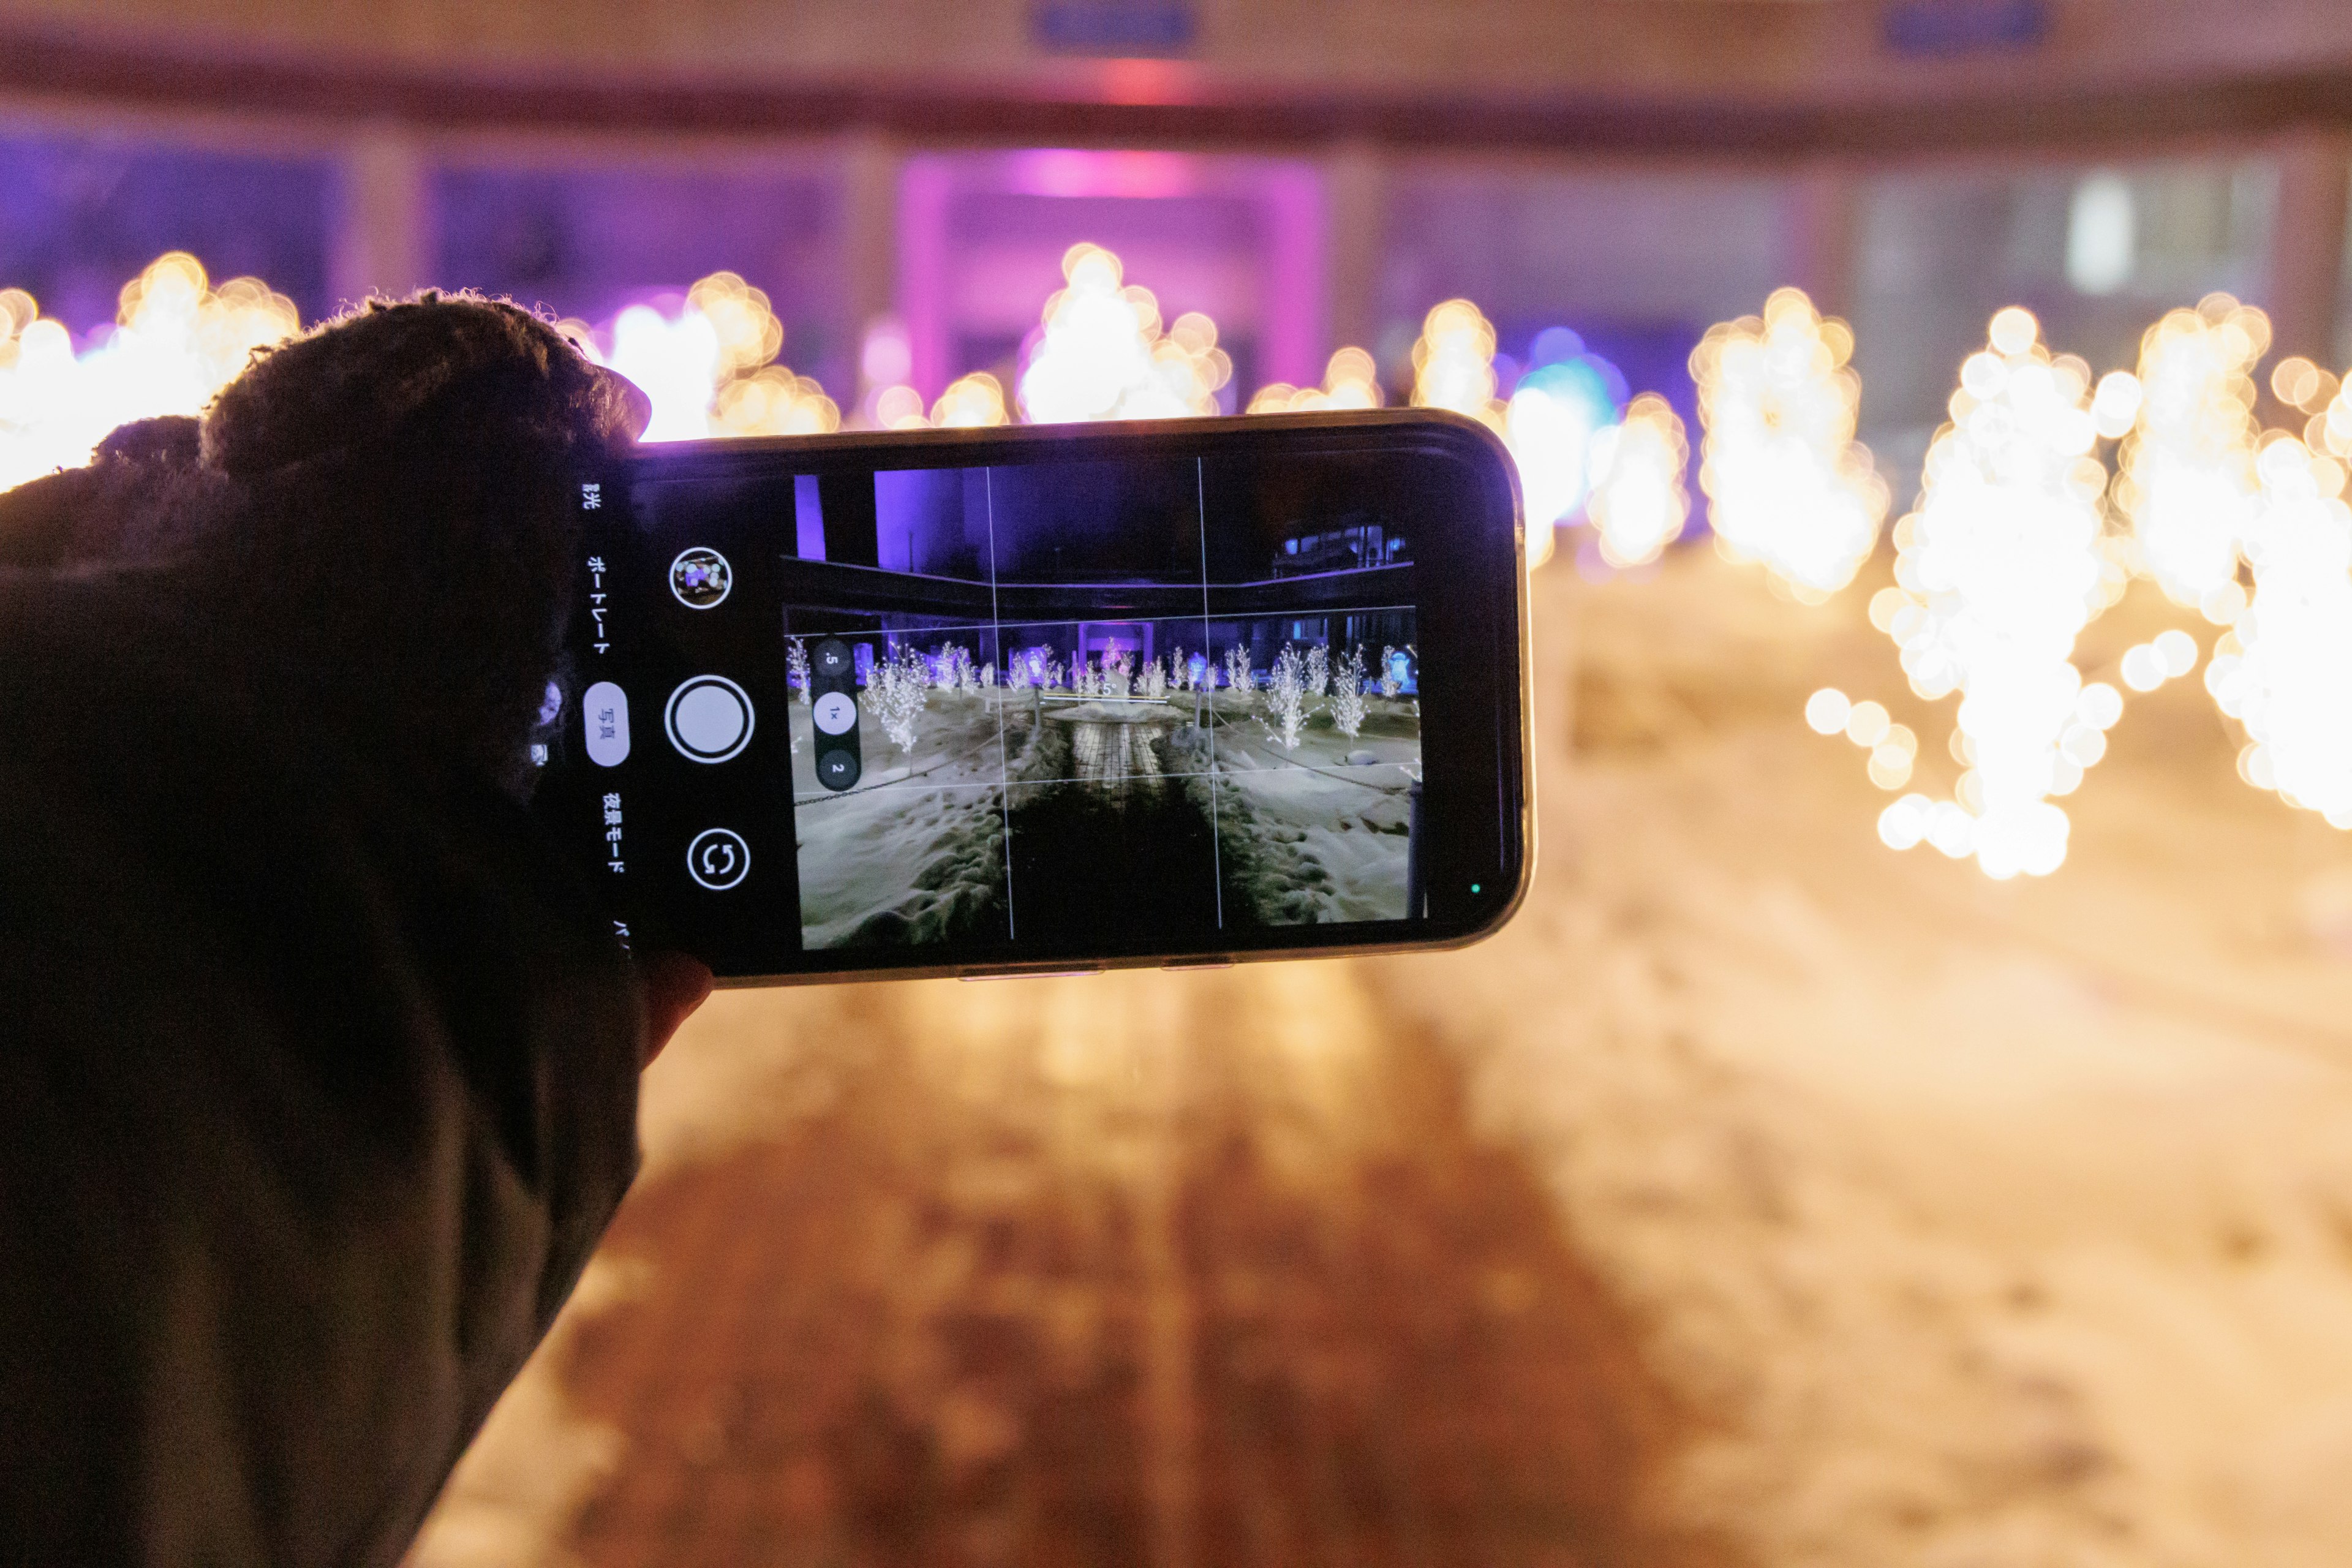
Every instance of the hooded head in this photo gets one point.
(372, 524)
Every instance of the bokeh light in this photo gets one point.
(2330, 426)
(1996, 574)
(970, 402)
(2285, 670)
(773, 401)
(1565, 399)
(1101, 353)
(899, 408)
(2186, 475)
(709, 368)
(1350, 380)
(1453, 363)
(1787, 483)
(1638, 504)
(1996, 571)
(1552, 423)
(176, 340)
(675, 361)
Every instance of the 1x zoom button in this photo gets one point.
(717, 859)
(835, 713)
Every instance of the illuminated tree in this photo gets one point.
(1347, 694)
(1237, 673)
(897, 692)
(1286, 698)
(796, 669)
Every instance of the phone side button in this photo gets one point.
(1032, 973)
(1198, 963)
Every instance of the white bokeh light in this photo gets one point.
(176, 342)
(2285, 670)
(1997, 572)
(1787, 483)
(2187, 474)
(1350, 380)
(1638, 505)
(1102, 354)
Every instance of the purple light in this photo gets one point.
(1068, 171)
(1269, 292)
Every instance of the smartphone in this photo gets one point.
(1048, 699)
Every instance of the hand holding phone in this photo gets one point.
(1039, 700)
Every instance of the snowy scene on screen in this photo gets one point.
(1042, 702)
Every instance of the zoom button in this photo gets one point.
(835, 712)
(834, 660)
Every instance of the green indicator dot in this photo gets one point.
(1473, 887)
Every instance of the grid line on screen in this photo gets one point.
(1004, 750)
(1157, 854)
(1216, 847)
(995, 628)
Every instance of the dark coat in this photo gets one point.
(318, 1066)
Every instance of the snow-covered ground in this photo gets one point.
(1978, 1223)
(914, 853)
(1319, 832)
(1970, 1224)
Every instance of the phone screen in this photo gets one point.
(981, 704)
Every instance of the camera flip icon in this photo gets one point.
(717, 859)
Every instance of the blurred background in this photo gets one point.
(1911, 1123)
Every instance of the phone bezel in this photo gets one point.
(1358, 431)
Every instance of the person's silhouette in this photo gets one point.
(318, 1064)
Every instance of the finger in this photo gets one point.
(674, 986)
(632, 410)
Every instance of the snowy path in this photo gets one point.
(1961, 1222)
(2000, 1224)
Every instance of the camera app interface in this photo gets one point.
(1044, 703)
(1149, 704)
